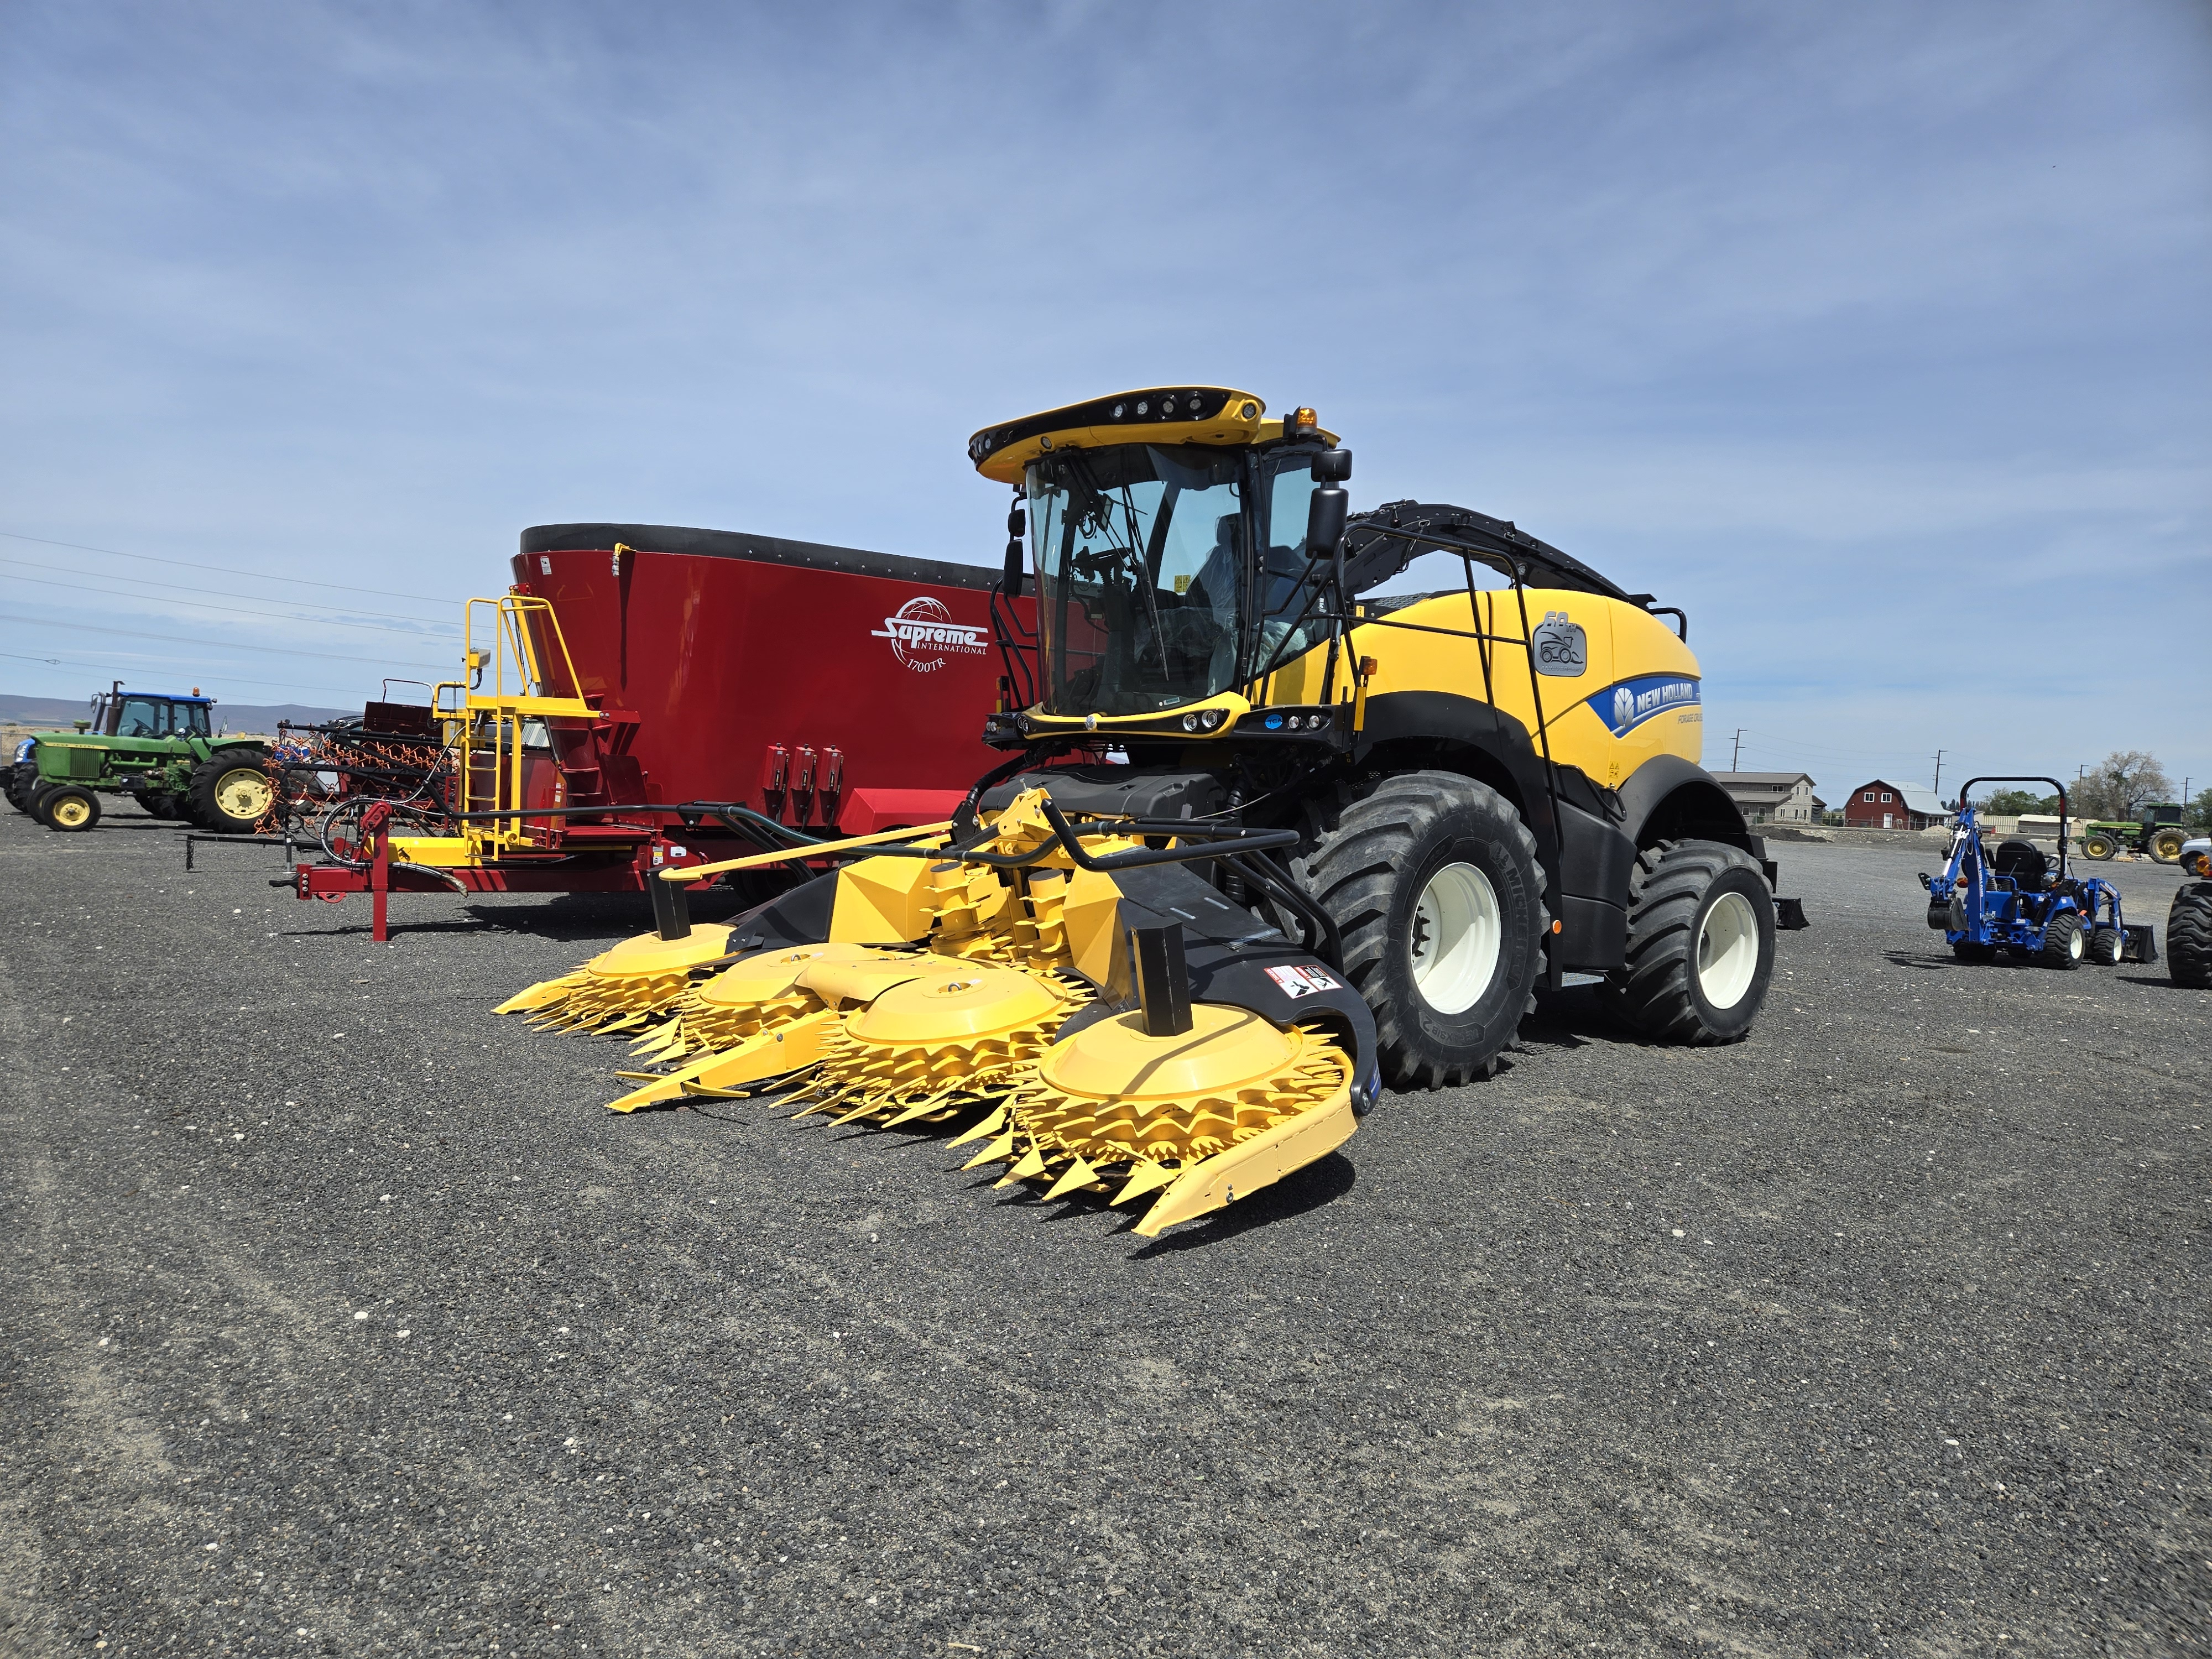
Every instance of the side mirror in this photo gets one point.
(1017, 524)
(1333, 466)
(1326, 512)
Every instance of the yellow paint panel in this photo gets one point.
(1621, 641)
(881, 901)
(1260, 1162)
(1092, 916)
(438, 852)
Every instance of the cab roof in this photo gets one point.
(161, 696)
(1159, 414)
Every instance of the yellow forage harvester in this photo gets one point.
(1012, 980)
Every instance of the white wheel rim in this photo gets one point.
(1728, 950)
(1458, 933)
(2073, 945)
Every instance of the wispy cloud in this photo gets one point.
(1875, 337)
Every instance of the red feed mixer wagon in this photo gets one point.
(648, 695)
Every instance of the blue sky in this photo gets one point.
(1877, 337)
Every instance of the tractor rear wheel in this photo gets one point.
(2165, 844)
(2107, 946)
(2189, 936)
(69, 809)
(1701, 943)
(2100, 844)
(232, 792)
(2063, 944)
(1432, 880)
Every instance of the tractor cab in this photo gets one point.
(120, 713)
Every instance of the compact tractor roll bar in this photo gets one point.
(1967, 789)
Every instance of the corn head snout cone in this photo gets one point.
(954, 1036)
(1229, 1106)
(631, 983)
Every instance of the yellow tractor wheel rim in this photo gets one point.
(243, 795)
(72, 814)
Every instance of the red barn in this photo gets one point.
(1879, 803)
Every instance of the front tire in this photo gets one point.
(2189, 937)
(1433, 882)
(231, 793)
(1701, 943)
(2062, 944)
(69, 809)
(2107, 946)
(2099, 845)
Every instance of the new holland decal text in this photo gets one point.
(1627, 704)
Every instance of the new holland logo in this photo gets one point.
(923, 636)
(1627, 706)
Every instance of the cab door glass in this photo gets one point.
(142, 718)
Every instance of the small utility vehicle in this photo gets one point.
(2014, 900)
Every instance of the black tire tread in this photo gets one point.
(2189, 937)
(1361, 835)
(1650, 993)
(2054, 953)
(199, 793)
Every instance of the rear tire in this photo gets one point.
(1701, 943)
(2107, 946)
(1433, 882)
(2062, 944)
(231, 793)
(2099, 845)
(69, 809)
(2165, 844)
(2189, 937)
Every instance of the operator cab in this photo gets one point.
(120, 713)
(1169, 533)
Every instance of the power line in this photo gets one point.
(108, 668)
(219, 592)
(220, 645)
(227, 570)
(233, 610)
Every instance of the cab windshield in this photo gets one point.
(1166, 575)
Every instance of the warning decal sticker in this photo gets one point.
(1294, 981)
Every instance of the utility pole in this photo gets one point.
(1736, 753)
(1939, 775)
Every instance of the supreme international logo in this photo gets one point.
(923, 636)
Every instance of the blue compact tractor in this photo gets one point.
(2014, 900)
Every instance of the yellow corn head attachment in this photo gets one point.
(1079, 1000)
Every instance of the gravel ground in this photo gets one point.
(339, 1319)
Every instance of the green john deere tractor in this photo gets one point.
(155, 748)
(2158, 832)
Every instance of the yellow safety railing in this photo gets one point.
(485, 724)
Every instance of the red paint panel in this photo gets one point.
(722, 659)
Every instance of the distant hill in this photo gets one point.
(59, 712)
